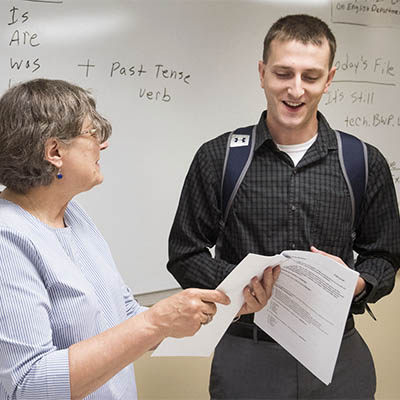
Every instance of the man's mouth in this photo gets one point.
(292, 104)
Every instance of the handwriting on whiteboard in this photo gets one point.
(373, 13)
(22, 36)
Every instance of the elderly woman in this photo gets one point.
(69, 327)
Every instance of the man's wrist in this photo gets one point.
(360, 296)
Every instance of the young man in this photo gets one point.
(293, 196)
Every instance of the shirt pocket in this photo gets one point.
(331, 220)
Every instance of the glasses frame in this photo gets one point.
(93, 133)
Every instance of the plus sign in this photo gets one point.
(87, 65)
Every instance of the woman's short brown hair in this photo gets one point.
(30, 114)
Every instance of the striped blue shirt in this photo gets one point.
(57, 287)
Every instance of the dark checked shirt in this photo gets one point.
(279, 206)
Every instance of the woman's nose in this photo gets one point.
(104, 145)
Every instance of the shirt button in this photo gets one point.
(293, 207)
(294, 171)
(293, 246)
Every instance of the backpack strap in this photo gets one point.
(238, 156)
(353, 158)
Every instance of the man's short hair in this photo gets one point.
(303, 28)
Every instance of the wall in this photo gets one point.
(172, 74)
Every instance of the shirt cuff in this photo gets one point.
(49, 379)
(58, 383)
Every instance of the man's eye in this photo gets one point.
(282, 75)
(310, 78)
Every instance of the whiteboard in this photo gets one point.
(170, 75)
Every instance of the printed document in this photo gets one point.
(306, 313)
(308, 310)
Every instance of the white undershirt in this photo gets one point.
(297, 151)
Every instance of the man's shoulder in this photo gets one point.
(218, 145)
(372, 149)
(374, 154)
(376, 160)
(213, 151)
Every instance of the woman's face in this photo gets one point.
(81, 167)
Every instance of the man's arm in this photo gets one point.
(378, 233)
(196, 225)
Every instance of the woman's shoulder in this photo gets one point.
(18, 230)
(13, 217)
(76, 215)
(76, 212)
(79, 221)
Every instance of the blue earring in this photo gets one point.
(59, 174)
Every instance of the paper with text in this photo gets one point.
(306, 313)
(205, 340)
(308, 309)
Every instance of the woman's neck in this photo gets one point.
(42, 203)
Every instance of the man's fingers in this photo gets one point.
(268, 281)
(275, 272)
(336, 258)
(250, 298)
(315, 250)
(258, 291)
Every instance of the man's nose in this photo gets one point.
(295, 88)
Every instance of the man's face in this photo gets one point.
(294, 79)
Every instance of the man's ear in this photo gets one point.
(331, 74)
(261, 72)
(52, 152)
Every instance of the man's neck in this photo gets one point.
(290, 136)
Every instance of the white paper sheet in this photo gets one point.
(306, 313)
(205, 340)
(308, 310)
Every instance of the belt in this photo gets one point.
(251, 331)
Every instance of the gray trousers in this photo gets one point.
(245, 369)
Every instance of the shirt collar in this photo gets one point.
(326, 139)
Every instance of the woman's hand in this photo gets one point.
(183, 313)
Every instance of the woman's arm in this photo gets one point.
(35, 364)
(94, 361)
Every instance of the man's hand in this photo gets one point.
(257, 294)
(360, 283)
(183, 313)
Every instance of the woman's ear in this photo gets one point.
(52, 152)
